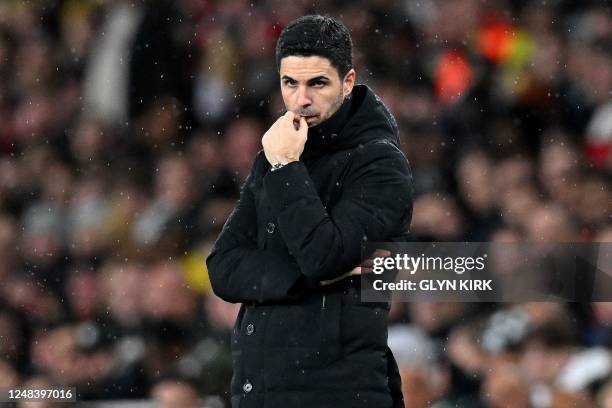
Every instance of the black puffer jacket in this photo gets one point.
(297, 343)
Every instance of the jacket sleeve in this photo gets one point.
(238, 270)
(375, 205)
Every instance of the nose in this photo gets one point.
(303, 97)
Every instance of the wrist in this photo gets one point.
(281, 160)
(276, 166)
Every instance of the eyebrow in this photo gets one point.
(310, 81)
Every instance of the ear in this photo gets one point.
(349, 82)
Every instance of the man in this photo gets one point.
(330, 177)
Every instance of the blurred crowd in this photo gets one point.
(128, 126)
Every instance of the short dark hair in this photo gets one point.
(317, 35)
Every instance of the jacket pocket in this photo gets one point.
(331, 314)
(363, 327)
(235, 336)
(305, 335)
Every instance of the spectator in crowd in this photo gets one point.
(175, 394)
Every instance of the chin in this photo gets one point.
(313, 123)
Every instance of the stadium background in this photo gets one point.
(127, 127)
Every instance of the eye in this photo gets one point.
(319, 84)
(290, 83)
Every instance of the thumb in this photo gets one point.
(355, 271)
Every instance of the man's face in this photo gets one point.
(311, 87)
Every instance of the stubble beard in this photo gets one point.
(334, 108)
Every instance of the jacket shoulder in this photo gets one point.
(380, 150)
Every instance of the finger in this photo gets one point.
(290, 115)
(339, 278)
(355, 271)
(360, 270)
(367, 262)
(366, 269)
(299, 122)
(381, 253)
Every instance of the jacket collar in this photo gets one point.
(361, 118)
(321, 136)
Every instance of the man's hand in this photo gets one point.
(365, 267)
(368, 265)
(284, 141)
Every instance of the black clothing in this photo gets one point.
(297, 343)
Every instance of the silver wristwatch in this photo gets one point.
(277, 166)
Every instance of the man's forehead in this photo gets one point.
(300, 67)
